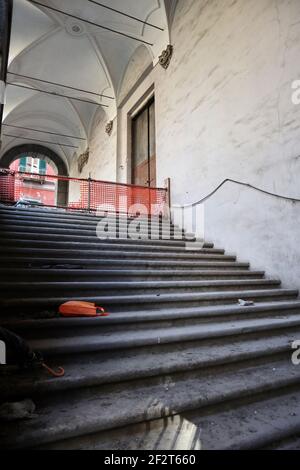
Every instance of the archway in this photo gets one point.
(43, 153)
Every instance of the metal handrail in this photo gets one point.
(229, 180)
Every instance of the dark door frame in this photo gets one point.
(146, 106)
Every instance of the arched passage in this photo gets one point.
(44, 153)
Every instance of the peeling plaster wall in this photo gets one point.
(224, 110)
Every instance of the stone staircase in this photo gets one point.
(178, 364)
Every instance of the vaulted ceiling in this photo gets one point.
(54, 47)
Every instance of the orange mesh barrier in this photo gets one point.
(83, 194)
(7, 186)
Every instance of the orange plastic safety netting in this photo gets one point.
(82, 194)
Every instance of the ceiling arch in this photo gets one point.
(53, 47)
(44, 153)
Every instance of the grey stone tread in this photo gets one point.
(116, 253)
(111, 367)
(131, 273)
(89, 411)
(82, 285)
(47, 227)
(70, 235)
(82, 220)
(119, 262)
(53, 228)
(155, 300)
(101, 245)
(132, 338)
(57, 213)
(251, 426)
(145, 316)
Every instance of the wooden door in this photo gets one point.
(144, 147)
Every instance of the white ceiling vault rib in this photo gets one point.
(63, 50)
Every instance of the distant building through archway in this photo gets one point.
(39, 160)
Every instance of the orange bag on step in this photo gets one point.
(76, 308)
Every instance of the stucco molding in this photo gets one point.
(83, 160)
(109, 128)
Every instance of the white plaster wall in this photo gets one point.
(138, 63)
(103, 148)
(224, 110)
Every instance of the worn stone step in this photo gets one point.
(48, 213)
(70, 237)
(132, 339)
(94, 369)
(35, 275)
(117, 303)
(154, 301)
(56, 228)
(145, 319)
(84, 222)
(251, 423)
(76, 231)
(50, 289)
(110, 408)
(110, 264)
(111, 254)
(112, 227)
(101, 245)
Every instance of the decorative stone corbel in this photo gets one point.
(83, 159)
(109, 127)
(166, 56)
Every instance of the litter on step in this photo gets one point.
(245, 303)
(77, 308)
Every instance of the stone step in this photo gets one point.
(102, 245)
(120, 263)
(35, 275)
(51, 289)
(76, 231)
(6, 224)
(111, 254)
(168, 244)
(70, 237)
(48, 213)
(275, 416)
(145, 319)
(84, 222)
(28, 223)
(117, 303)
(131, 338)
(252, 423)
(94, 369)
(111, 408)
